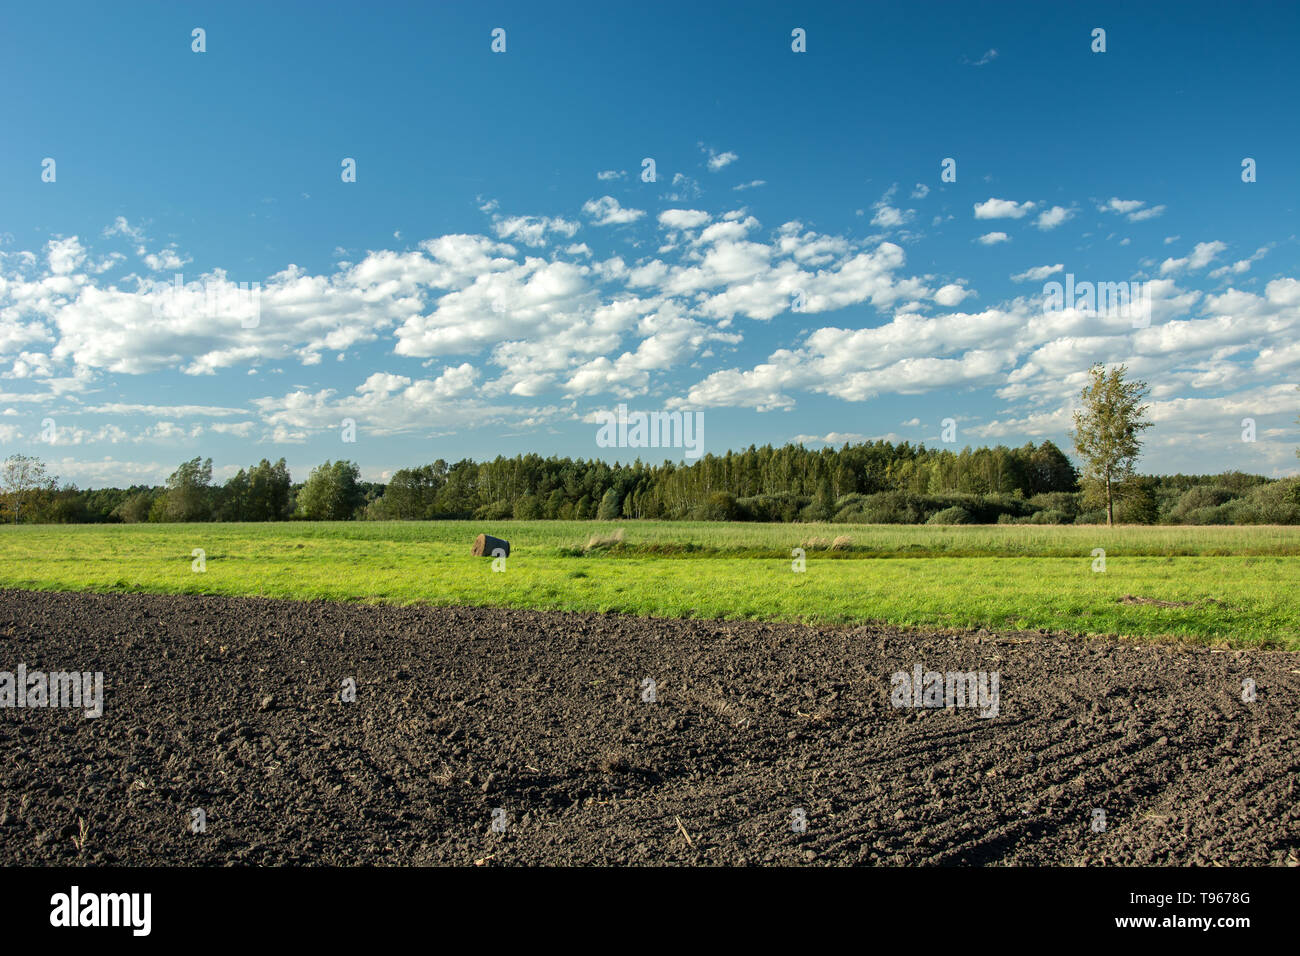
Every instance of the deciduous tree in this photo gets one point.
(23, 479)
(1107, 431)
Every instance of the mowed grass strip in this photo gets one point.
(1231, 585)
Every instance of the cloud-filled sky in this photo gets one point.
(504, 266)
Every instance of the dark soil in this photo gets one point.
(233, 706)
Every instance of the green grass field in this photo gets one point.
(1232, 585)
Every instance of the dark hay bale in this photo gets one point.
(485, 545)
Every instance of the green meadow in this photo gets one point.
(1233, 586)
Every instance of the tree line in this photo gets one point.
(871, 482)
(875, 482)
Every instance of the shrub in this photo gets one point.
(1205, 516)
(889, 507)
(1048, 516)
(528, 508)
(1277, 502)
(1197, 504)
(721, 506)
(496, 511)
(782, 507)
(1067, 503)
(955, 515)
(134, 509)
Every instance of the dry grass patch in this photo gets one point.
(602, 542)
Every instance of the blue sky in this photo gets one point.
(499, 272)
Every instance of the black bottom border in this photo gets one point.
(334, 905)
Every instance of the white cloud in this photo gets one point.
(1136, 210)
(168, 259)
(993, 238)
(683, 218)
(1144, 214)
(606, 211)
(238, 429)
(109, 472)
(573, 324)
(532, 230)
(1036, 360)
(1201, 256)
(841, 438)
(388, 404)
(684, 189)
(160, 411)
(1121, 206)
(1051, 218)
(888, 217)
(951, 295)
(1240, 266)
(1038, 273)
(1002, 209)
(64, 255)
(718, 161)
(165, 260)
(121, 227)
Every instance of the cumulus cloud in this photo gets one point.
(1201, 256)
(532, 230)
(1240, 266)
(1143, 214)
(1036, 360)
(1051, 218)
(683, 218)
(516, 337)
(684, 189)
(166, 259)
(390, 404)
(543, 323)
(64, 255)
(1115, 204)
(1135, 210)
(109, 472)
(718, 161)
(606, 211)
(951, 295)
(1038, 273)
(1002, 209)
(888, 217)
(163, 411)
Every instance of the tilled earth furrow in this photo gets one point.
(329, 733)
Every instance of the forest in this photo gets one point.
(871, 483)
